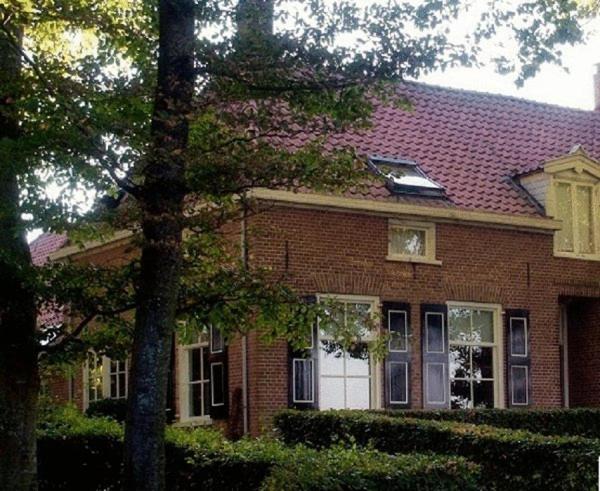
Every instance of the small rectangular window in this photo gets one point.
(408, 242)
(398, 382)
(564, 212)
(397, 326)
(519, 382)
(216, 340)
(217, 376)
(434, 332)
(518, 336)
(118, 379)
(303, 377)
(411, 241)
(436, 383)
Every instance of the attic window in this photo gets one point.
(405, 177)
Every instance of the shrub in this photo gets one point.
(111, 408)
(510, 459)
(76, 452)
(575, 422)
(359, 469)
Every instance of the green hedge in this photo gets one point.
(510, 459)
(75, 452)
(110, 408)
(574, 422)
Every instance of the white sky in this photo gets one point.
(552, 84)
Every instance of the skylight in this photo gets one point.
(405, 177)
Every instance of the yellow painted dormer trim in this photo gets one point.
(578, 171)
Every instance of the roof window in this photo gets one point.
(405, 177)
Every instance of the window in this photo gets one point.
(474, 348)
(105, 378)
(575, 205)
(195, 383)
(347, 377)
(412, 241)
(405, 177)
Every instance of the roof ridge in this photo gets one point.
(484, 94)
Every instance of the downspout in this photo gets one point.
(244, 252)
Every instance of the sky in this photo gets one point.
(552, 84)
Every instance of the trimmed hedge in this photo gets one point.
(110, 408)
(510, 459)
(574, 422)
(76, 452)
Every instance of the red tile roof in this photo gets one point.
(472, 143)
(44, 245)
(41, 248)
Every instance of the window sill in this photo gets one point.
(580, 257)
(192, 422)
(417, 260)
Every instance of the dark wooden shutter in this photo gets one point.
(171, 390)
(396, 322)
(217, 362)
(434, 342)
(303, 371)
(518, 358)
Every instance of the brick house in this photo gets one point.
(479, 251)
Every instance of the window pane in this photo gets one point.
(114, 394)
(584, 219)
(398, 385)
(564, 212)
(518, 375)
(483, 366)
(122, 385)
(435, 332)
(303, 380)
(460, 364)
(357, 316)
(358, 393)
(331, 393)
(218, 384)
(195, 364)
(216, 340)
(483, 393)
(459, 324)
(408, 242)
(518, 337)
(483, 326)
(357, 361)
(331, 358)
(397, 327)
(460, 394)
(196, 395)
(436, 383)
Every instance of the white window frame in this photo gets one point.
(497, 346)
(517, 355)
(184, 382)
(375, 367)
(212, 385)
(405, 334)
(512, 386)
(106, 374)
(312, 371)
(432, 314)
(595, 189)
(430, 242)
(405, 400)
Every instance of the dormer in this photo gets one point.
(569, 189)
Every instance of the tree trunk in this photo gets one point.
(161, 200)
(19, 381)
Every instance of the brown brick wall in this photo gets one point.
(334, 252)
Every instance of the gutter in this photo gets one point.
(393, 209)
